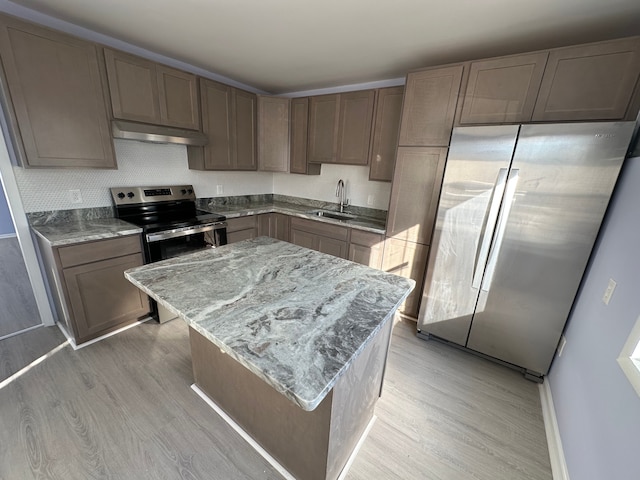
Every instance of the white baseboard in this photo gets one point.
(554, 442)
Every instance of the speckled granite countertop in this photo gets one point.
(374, 225)
(68, 231)
(295, 317)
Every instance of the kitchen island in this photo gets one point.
(289, 342)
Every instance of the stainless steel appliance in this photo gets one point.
(171, 223)
(519, 213)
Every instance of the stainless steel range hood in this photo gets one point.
(156, 133)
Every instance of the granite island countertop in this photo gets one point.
(77, 230)
(295, 317)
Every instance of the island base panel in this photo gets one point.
(309, 444)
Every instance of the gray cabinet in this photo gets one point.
(590, 82)
(144, 91)
(91, 294)
(273, 134)
(229, 120)
(320, 236)
(384, 141)
(241, 228)
(340, 127)
(56, 99)
(366, 248)
(430, 100)
(298, 162)
(274, 225)
(503, 90)
(415, 192)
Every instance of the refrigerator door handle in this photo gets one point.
(487, 233)
(510, 193)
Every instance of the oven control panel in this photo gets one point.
(133, 195)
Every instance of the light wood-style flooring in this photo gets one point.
(122, 409)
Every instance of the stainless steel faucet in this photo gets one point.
(341, 193)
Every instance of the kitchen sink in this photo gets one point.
(334, 215)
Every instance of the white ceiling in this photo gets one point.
(284, 46)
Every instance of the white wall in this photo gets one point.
(323, 186)
(156, 164)
(598, 410)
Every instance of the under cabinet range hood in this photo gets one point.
(157, 133)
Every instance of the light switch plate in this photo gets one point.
(75, 196)
(219, 189)
(609, 291)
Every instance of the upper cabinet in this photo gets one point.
(273, 134)
(430, 101)
(590, 82)
(340, 127)
(56, 98)
(382, 154)
(298, 139)
(503, 90)
(144, 91)
(229, 120)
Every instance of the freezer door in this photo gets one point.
(562, 178)
(474, 181)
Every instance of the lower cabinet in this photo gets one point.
(320, 236)
(409, 260)
(274, 225)
(91, 294)
(366, 248)
(242, 228)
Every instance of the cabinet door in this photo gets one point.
(273, 134)
(408, 260)
(244, 130)
(239, 235)
(298, 148)
(382, 154)
(216, 115)
(56, 89)
(101, 298)
(354, 127)
(429, 106)
(323, 128)
(178, 96)
(280, 226)
(415, 192)
(304, 239)
(503, 90)
(366, 248)
(337, 248)
(589, 82)
(133, 87)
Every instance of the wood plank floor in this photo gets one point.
(18, 308)
(122, 409)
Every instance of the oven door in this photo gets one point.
(176, 242)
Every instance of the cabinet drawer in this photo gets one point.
(366, 239)
(241, 223)
(99, 250)
(320, 228)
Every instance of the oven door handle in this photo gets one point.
(183, 232)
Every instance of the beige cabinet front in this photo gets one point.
(384, 142)
(298, 162)
(340, 127)
(430, 100)
(274, 225)
(320, 236)
(366, 248)
(273, 134)
(144, 91)
(55, 87)
(242, 228)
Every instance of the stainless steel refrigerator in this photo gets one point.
(519, 212)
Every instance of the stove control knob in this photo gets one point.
(130, 194)
(191, 190)
(184, 191)
(121, 195)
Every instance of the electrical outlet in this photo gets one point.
(371, 200)
(219, 189)
(609, 291)
(75, 196)
(561, 344)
